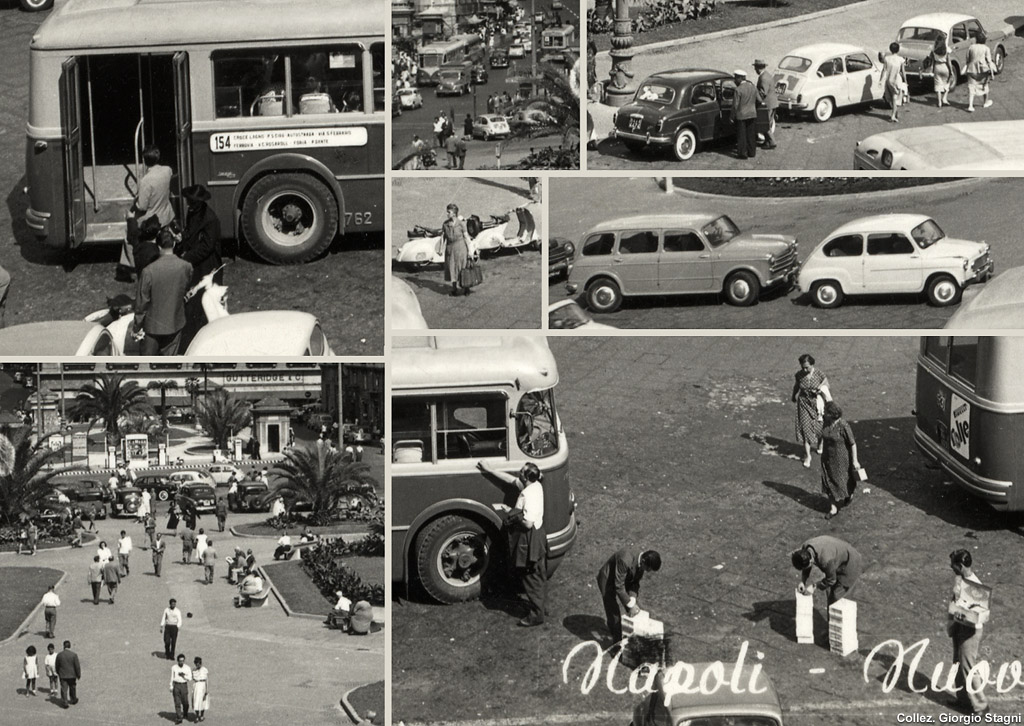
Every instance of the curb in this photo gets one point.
(340, 535)
(58, 547)
(347, 707)
(377, 609)
(35, 611)
(969, 181)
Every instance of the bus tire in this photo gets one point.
(452, 554)
(289, 218)
(34, 6)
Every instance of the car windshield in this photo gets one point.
(926, 34)
(450, 75)
(655, 93)
(568, 317)
(927, 233)
(720, 231)
(794, 64)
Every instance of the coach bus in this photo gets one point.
(554, 42)
(280, 116)
(457, 401)
(970, 414)
(458, 48)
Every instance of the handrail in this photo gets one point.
(92, 137)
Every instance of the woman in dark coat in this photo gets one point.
(456, 249)
(839, 461)
(200, 247)
(810, 384)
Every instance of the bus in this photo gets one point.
(455, 401)
(970, 414)
(458, 48)
(555, 42)
(283, 121)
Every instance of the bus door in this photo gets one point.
(71, 130)
(183, 127)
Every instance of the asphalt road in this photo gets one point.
(344, 288)
(976, 209)
(802, 143)
(686, 445)
(510, 296)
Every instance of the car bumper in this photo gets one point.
(786, 277)
(646, 138)
(982, 274)
(558, 267)
(996, 493)
(572, 288)
(38, 222)
(793, 105)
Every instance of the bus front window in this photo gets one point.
(537, 424)
(963, 359)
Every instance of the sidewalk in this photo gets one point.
(265, 668)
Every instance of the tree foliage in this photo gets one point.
(321, 475)
(163, 386)
(110, 398)
(222, 415)
(24, 478)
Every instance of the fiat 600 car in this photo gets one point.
(822, 77)
(917, 38)
(893, 253)
(676, 254)
(679, 109)
(989, 145)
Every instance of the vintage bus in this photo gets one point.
(554, 42)
(280, 116)
(970, 413)
(456, 401)
(456, 49)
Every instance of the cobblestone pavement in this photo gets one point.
(510, 296)
(344, 289)
(265, 668)
(979, 209)
(804, 144)
(686, 445)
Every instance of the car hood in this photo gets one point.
(748, 243)
(950, 247)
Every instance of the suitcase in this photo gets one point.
(470, 276)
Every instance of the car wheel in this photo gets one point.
(162, 495)
(827, 294)
(604, 296)
(685, 145)
(34, 6)
(634, 146)
(954, 75)
(943, 290)
(742, 289)
(289, 218)
(999, 58)
(452, 555)
(823, 109)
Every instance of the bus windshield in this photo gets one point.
(537, 424)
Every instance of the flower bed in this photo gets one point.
(325, 567)
(799, 186)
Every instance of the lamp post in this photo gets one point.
(533, 47)
(620, 88)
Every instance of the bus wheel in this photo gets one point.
(36, 5)
(289, 218)
(452, 554)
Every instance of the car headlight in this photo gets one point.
(570, 248)
(965, 264)
(887, 159)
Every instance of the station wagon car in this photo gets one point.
(893, 253)
(677, 254)
(490, 126)
(991, 145)
(917, 38)
(409, 98)
(680, 109)
(822, 77)
(757, 705)
(998, 305)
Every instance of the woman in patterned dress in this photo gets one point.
(811, 384)
(456, 249)
(838, 459)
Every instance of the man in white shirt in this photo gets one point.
(124, 550)
(50, 604)
(112, 483)
(170, 621)
(969, 691)
(284, 546)
(341, 612)
(181, 674)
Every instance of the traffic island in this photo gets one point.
(20, 596)
(365, 705)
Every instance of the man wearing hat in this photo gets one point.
(744, 107)
(200, 247)
(767, 98)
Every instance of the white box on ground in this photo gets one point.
(804, 617)
(643, 624)
(842, 627)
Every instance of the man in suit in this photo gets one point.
(96, 578)
(111, 576)
(158, 553)
(69, 670)
(619, 583)
(160, 299)
(767, 98)
(838, 560)
(744, 112)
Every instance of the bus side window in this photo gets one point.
(379, 76)
(410, 429)
(471, 427)
(248, 83)
(329, 78)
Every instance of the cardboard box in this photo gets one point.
(804, 617)
(972, 607)
(842, 627)
(642, 624)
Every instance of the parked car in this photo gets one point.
(409, 98)
(998, 305)
(819, 78)
(355, 434)
(499, 58)
(251, 496)
(405, 307)
(757, 705)
(180, 478)
(126, 502)
(478, 74)
(86, 490)
(221, 473)
(988, 145)
(455, 80)
(516, 50)
(396, 106)
(200, 497)
(57, 338)
(675, 254)
(568, 315)
(270, 332)
(158, 485)
(491, 126)
(918, 35)
(680, 109)
(55, 500)
(560, 254)
(893, 253)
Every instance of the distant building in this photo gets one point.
(361, 399)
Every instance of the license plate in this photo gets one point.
(635, 122)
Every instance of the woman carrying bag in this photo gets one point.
(456, 252)
(840, 467)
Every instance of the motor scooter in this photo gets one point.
(425, 246)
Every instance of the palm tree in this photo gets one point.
(23, 480)
(560, 102)
(110, 397)
(221, 415)
(322, 476)
(163, 387)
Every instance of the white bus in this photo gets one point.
(456, 49)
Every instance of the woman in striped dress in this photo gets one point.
(810, 391)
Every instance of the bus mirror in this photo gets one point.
(40, 146)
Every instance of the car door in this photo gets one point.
(959, 42)
(845, 261)
(863, 79)
(685, 262)
(726, 123)
(635, 259)
(703, 108)
(892, 264)
(829, 80)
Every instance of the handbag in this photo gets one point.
(470, 276)
(862, 473)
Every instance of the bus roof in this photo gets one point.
(463, 362)
(453, 42)
(90, 24)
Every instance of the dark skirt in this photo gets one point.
(456, 258)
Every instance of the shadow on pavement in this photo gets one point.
(518, 191)
(781, 617)
(588, 627)
(815, 502)
(436, 287)
(782, 447)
